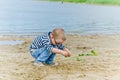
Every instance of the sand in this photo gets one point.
(16, 62)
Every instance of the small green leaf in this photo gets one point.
(95, 53)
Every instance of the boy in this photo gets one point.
(44, 48)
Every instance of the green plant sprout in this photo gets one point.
(95, 53)
(79, 58)
(92, 53)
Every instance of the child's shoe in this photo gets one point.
(38, 64)
(53, 64)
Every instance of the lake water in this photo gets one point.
(33, 16)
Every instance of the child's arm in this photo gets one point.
(58, 51)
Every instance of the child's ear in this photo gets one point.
(51, 35)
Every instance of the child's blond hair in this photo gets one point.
(59, 33)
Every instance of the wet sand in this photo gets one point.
(16, 62)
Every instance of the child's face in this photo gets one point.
(58, 41)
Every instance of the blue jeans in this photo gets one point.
(43, 55)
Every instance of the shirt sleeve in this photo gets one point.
(61, 46)
(47, 45)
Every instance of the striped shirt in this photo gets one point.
(44, 41)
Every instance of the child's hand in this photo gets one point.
(68, 52)
(64, 53)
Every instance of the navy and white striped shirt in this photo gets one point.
(44, 41)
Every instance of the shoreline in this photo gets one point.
(89, 3)
(67, 33)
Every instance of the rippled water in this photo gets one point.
(31, 17)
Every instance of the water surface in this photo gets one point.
(32, 16)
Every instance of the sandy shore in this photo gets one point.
(16, 62)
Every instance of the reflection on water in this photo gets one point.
(28, 16)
